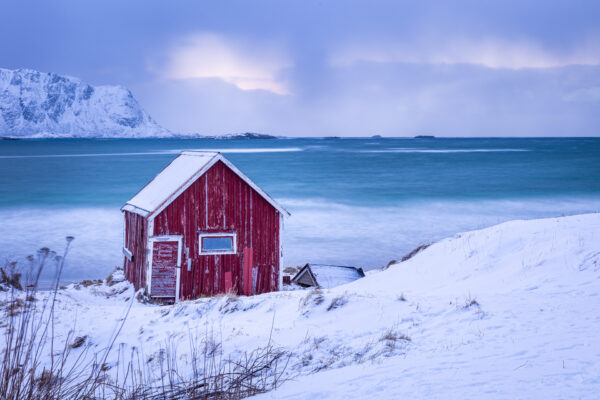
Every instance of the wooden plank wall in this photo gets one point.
(135, 240)
(220, 201)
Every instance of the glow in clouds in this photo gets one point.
(487, 53)
(212, 56)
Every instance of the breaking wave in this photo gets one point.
(410, 150)
(176, 151)
(318, 231)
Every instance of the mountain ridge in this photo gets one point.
(36, 104)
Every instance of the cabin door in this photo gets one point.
(166, 267)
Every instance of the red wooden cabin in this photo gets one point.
(201, 227)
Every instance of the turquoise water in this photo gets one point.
(353, 201)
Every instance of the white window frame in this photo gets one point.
(202, 235)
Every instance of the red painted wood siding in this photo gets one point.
(220, 201)
(247, 272)
(136, 229)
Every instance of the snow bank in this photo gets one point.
(510, 311)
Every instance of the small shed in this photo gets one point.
(326, 276)
(201, 227)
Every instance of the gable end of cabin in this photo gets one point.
(222, 232)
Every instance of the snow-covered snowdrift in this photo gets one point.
(511, 311)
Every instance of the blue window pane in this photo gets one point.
(217, 244)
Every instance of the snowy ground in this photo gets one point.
(511, 311)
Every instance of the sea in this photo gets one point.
(360, 202)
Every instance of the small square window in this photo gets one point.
(224, 243)
(217, 243)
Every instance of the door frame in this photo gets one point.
(166, 238)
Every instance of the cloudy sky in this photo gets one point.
(320, 68)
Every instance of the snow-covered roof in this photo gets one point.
(184, 170)
(329, 276)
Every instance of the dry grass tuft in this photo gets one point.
(470, 302)
(231, 304)
(36, 365)
(391, 337)
(110, 279)
(78, 342)
(291, 270)
(14, 307)
(313, 298)
(338, 302)
(11, 278)
(88, 282)
(414, 252)
(389, 264)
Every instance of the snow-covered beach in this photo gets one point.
(299, 200)
(510, 311)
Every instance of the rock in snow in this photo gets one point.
(36, 104)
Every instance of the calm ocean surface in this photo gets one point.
(358, 202)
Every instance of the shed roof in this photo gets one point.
(184, 170)
(328, 276)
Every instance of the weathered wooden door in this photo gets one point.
(166, 256)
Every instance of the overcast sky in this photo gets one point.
(321, 68)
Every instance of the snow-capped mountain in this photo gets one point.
(38, 104)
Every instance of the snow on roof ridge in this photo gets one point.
(182, 171)
(167, 182)
(333, 265)
(195, 152)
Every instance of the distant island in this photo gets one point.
(424, 137)
(246, 135)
